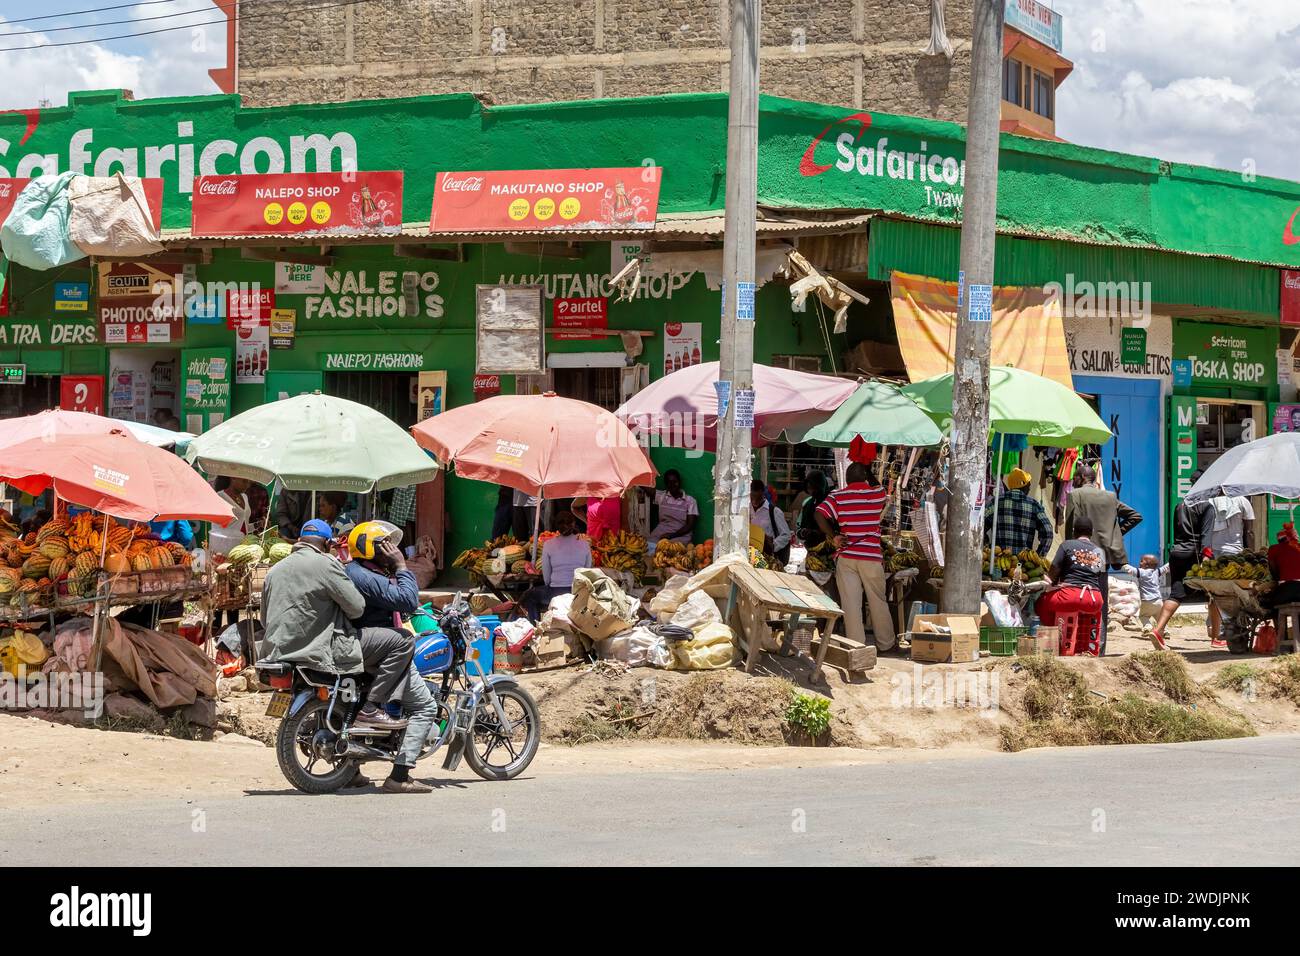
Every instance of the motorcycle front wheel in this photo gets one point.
(495, 753)
(304, 759)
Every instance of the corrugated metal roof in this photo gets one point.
(698, 225)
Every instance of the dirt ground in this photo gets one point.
(606, 718)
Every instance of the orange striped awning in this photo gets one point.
(1027, 332)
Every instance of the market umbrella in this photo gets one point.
(539, 444)
(61, 422)
(114, 474)
(681, 409)
(1265, 466)
(1020, 403)
(876, 412)
(313, 443)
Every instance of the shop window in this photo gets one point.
(1044, 93)
(1011, 81)
(599, 386)
(389, 393)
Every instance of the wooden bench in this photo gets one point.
(755, 595)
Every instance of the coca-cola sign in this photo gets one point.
(459, 183)
(9, 190)
(546, 200)
(219, 187)
(1290, 298)
(298, 204)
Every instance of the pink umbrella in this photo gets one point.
(59, 422)
(681, 409)
(539, 444)
(115, 474)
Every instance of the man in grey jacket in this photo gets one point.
(307, 606)
(1111, 518)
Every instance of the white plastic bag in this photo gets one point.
(669, 598)
(1005, 614)
(637, 647)
(110, 216)
(697, 609)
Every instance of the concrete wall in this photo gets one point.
(853, 53)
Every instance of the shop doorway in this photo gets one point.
(36, 394)
(144, 386)
(1222, 424)
(389, 393)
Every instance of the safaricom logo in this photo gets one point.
(938, 172)
(1289, 238)
(1227, 342)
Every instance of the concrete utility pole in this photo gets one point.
(731, 472)
(970, 399)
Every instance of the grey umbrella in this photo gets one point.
(1265, 466)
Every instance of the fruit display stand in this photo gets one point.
(1238, 603)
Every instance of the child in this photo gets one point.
(1149, 572)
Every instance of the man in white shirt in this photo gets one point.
(764, 514)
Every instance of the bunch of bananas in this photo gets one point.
(674, 554)
(1033, 564)
(1247, 566)
(897, 559)
(621, 551)
(758, 559)
(1005, 560)
(821, 557)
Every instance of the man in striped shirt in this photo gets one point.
(856, 510)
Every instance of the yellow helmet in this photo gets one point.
(363, 540)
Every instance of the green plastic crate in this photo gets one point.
(1001, 641)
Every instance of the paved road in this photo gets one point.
(1189, 804)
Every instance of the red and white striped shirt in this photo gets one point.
(857, 509)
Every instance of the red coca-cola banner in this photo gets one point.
(299, 204)
(1290, 297)
(9, 190)
(559, 200)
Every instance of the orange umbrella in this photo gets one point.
(540, 445)
(113, 473)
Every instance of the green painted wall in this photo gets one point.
(810, 156)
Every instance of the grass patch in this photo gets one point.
(1166, 672)
(1237, 676)
(1060, 710)
(617, 723)
(1284, 678)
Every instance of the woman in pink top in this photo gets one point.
(602, 515)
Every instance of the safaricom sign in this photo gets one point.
(307, 152)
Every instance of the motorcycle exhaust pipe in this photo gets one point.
(356, 751)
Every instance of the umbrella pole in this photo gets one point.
(997, 488)
(537, 524)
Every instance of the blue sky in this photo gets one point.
(1203, 81)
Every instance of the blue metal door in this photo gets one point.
(1130, 461)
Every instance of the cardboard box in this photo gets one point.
(1046, 643)
(961, 646)
(594, 620)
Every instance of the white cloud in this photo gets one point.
(1213, 82)
(172, 63)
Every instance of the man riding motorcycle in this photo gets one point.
(378, 571)
(308, 603)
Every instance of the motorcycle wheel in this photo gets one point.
(489, 742)
(298, 761)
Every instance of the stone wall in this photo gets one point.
(855, 53)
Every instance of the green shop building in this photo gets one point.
(1185, 343)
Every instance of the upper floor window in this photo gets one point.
(1011, 82)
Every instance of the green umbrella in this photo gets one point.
(1020, 403)
(313, 443)
(878, 412)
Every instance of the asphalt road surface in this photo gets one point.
(1187, 804)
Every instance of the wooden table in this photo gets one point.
(791, 595)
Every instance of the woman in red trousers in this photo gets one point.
(1078, 576)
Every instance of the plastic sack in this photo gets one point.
(637, 647)
(697, 609)
(669, 598)
(36, 233)
(110, 216)
(1005, 614)
(1265, 639)
(715, 580)
(712, 648)
(518, 634)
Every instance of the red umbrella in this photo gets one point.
(540, 445)
(115, 474)
(62, 423)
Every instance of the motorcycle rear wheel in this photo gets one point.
(293, 747)
(488, 739)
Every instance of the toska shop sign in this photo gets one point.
(559, 200)
(299, 204)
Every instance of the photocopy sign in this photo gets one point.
(510, 336)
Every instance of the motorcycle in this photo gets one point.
(480, 716)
